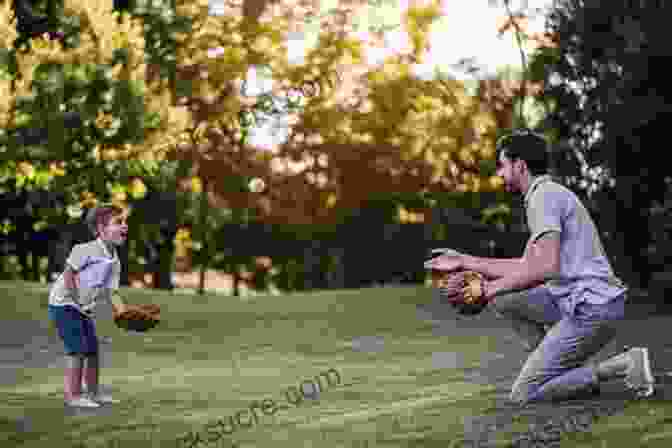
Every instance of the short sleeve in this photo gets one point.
(545, 213)
(116, 275)
(77, 257)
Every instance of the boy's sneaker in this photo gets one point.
(103, 399)
(638, 374)
(82, 402)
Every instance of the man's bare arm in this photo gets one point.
(541, 263)
(495, 268)
(492, 268)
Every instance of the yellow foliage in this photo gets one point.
(496, 182)
(418, 20)
(8, 32)
(331, 200)
(424, 120)
(119, 197)
(56, 169)
(88, 199)
(183, 234)
(26, 169)
(6, 103)
(104, 120)
(138, 189)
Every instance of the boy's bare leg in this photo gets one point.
(73, 377)
(92, 374)
(92, 380)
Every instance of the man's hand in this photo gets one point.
(453, 285)
(470, 297)
(447, 263)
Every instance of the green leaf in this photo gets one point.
(42, 179)
(40, 225)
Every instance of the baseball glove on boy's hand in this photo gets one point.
(138, 317)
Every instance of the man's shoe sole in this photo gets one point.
(647, 388)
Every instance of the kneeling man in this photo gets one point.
(563, 282)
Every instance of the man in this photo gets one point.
(563, 281)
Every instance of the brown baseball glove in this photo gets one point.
(138, 317)
(463, 289)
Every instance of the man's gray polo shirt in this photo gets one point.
(585, 272)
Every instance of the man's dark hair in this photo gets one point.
(528, 146)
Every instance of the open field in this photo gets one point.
(407, 377)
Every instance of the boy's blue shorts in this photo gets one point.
(77, 331)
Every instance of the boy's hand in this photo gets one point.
(118, 305)
(119, 308)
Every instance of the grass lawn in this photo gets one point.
(216, 357)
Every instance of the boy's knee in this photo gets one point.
(74, 361)
(91, 360)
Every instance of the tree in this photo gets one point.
(395, 133)
(96, 72)
(102, 76)
(430, 136)
(604, 82)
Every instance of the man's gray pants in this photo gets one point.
(557, 368)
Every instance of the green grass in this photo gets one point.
(214, 356)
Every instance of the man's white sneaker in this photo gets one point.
(82, 402)
(638, 374)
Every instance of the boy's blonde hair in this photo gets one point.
(101, 215)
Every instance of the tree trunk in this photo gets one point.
(203, 222)
(336, 275)
(311, 264)
(122, 252)
(623, 217)
(236, 282)
(164, 276)
(22, 252)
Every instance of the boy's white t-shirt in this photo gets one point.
(87, 297)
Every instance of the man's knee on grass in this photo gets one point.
(509, 303)
(521, 393)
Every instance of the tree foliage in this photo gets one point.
(362, 131)
(99, 71)
(604, 83)
(163, 93)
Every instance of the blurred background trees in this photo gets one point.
(603, 77)
(154, 105)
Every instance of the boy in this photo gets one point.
(91, 274)
(563, 280)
